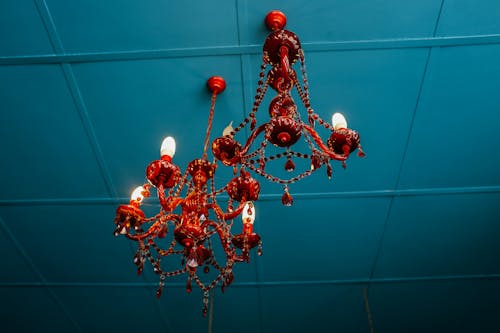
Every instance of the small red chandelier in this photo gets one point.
(189, 200)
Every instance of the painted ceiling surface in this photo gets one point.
(88, 89)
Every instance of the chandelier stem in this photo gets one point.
(209, 125)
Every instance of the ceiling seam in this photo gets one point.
(407, 142)
(360, 45)
(57, 46)
(263, 284)
(76, 95)
(266, 197)
(27, 259)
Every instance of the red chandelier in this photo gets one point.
(189, 200)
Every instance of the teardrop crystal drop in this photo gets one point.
(163, 231)
(159, 291)
(329, 171)
(289, 165)
(189, 286)
(287, 199)
(315, 162)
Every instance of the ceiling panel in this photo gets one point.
(32, 310)
(72, 243)
(347, 20)
(90, 26)
(436, 306)
(113, 309)
(321, 309)
(462, 17)
(14, 266)
(468, 229)
(454, 135)
(135, 104)
(26, 33)
(321, 239)
(50, 154)
(237, 310)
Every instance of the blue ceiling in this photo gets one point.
(404, 240)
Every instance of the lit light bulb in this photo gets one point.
(248, 215)
(168, 147)
(228, 129)
(137, 195)
(338, 121)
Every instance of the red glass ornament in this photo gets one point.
(329, 171)
(315, 162)
(289, 165)
(287, 199)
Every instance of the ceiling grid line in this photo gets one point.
(267, 197)
(355, 45)
(76, 95)
(27, 259)
(408, 138)
(268, 284)
(56, 44)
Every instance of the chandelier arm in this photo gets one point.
(237, 211)
(251, 138)
(152, 229)
(322, 146)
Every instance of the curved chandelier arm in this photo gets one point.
(154, 228)
(230, 215)
(168, 203)
(317, 139)
(252, 137)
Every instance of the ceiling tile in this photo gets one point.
(237, 310)
(376, 91)
(26, 33)
(183, 310)
(344, 20)
(321, 239)
(463, 17)
(112, 309)
(14, 266)
(73, 243)
(135, 104)
(32, 310)
(89, 26)
(436, 306)
(49, 153)
(325, 308)
(454, 135)
(441, 235)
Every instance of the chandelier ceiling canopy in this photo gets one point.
(196, 217)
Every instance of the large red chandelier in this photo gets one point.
(192, 225)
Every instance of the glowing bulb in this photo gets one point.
(228, 129)
(338, 121)
(168, 147)
(248, 215)
(137, 195)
